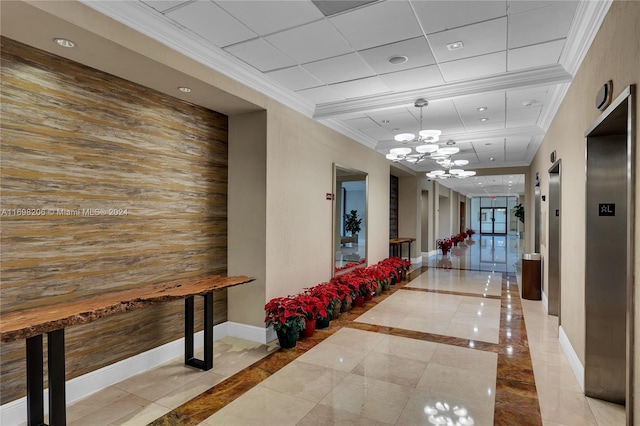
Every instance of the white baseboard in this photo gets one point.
(15, 412)
(250, 332)
(429, 253)
(416, 261)
(545, 302)
(572, 357)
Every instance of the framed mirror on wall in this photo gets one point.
(350, 223)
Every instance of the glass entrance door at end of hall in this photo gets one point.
(493, 220)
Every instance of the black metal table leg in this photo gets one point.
(409, 254)
(189, 359)
(57, 391)
(35, 393)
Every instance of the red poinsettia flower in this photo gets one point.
(444, 243)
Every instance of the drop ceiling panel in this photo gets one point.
(535, 56)
(487, 125)
(340, 68)
(437, 16)
(211, 23)
(525, 122)
(331, 7)
(294, 78)
(477, 67)
(536, 97)
(416, 50)
(321, 95)
(260, 55)
(440, 115)
(488, 145)
(311, 42)
(265, 17)
(397, 118)
(378, 24)
(360, 123)
(524, 112)
(467, 107)
(379, 133)
(540, 25)
(472, 120)
(478, 39)
(163, 5)
(360, 88)
(516, 155)
(519, 6)
(422, 77)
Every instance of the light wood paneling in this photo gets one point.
(76, 141)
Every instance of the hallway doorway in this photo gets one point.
(493, 220)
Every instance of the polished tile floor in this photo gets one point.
(450, 342)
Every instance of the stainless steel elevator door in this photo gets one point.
(554, 286)
(606, 267)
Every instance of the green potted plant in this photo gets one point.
(518, 211)
(352, 224)
(287, 320)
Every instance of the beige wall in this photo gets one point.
(247, 215)
(300, 157)
(614, 55)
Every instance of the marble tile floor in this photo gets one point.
(375, 366)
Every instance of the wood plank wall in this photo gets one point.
(76, 141)
(393, 206)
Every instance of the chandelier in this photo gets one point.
(427, 148)
(426, 141)
(452, 168)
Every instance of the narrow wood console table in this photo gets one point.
(395, 245)
(33, 323)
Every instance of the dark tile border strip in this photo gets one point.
(429, 337)
(516, 400)
(516, 394)
(198, 409)
(455, 293)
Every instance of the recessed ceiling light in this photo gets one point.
(64, 42)
(529, 102)
(482, 108)
(492, 159)
(488, 143)
(455, 45)
(385, 121)
(397, 59)
(184, 89)
(395, 129)
(483, 119)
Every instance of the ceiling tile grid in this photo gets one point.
(334, 53)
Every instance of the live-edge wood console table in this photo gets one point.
(33, 323)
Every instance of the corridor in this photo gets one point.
(446, 344)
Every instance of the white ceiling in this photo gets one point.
(517, 60)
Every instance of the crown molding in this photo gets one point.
(556, 97)
(147, 21)
(551, 74)
(349, 132)
(586, 23)
(477, 136)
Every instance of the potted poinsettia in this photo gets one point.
(312, 308)
(328, 295)
(284, 315)
(470, 232)
(445, 245)
(458, 238)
